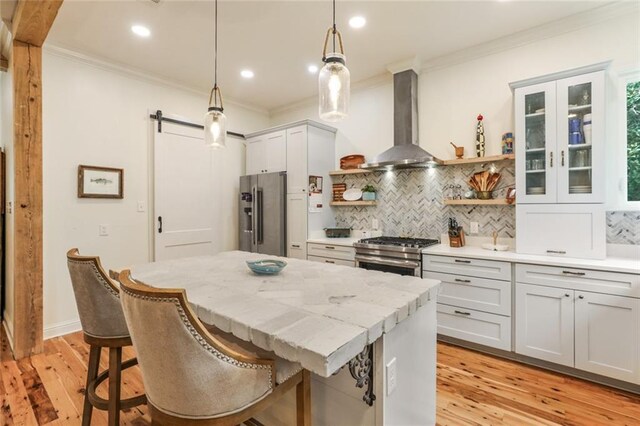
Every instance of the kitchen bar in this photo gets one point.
(323, 316)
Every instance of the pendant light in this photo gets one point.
(215, 122)
(334, 79)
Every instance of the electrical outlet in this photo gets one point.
(374, 223)
(392, 379)
(474, 227)
(103, 230)
(140, 206)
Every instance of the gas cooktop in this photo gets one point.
(417, 243)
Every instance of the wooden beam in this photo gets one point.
(27, 146)
(33, 19)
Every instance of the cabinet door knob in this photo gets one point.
(581, 297)
(567, 295)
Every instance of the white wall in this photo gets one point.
(98, 116)
(451, 97)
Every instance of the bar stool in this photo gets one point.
(104, 326)
(193, 377)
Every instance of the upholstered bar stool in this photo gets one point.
(103, 325)
(193, 378)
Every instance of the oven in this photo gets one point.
(402, 256)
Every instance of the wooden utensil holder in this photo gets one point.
(457, 240)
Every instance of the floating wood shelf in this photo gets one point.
(353, 203)
(492, 202)
(349, 172)
(474, 160)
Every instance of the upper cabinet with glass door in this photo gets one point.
(560, 140)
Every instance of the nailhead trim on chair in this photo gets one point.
(98, 275)
(201, 339)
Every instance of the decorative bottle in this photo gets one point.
(480, 137)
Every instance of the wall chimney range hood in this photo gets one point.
(405, 152)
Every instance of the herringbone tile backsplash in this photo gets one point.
(623, 228)
(410, 203)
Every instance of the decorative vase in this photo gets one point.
(368, 196)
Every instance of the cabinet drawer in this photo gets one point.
(562, 230)
(580, 279)
(473, 326)
(331, 251)
(471, 267)
(332, 261)
(296, 251)
(492, 296)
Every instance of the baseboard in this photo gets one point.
(7, 328)
(62, 328)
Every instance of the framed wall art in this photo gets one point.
(100, 182)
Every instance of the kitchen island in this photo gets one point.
(347, 326)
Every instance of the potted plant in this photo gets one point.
(368, 193)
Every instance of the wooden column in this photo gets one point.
(30, 25)
(27, 148)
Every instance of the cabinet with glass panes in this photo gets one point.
(560, 140)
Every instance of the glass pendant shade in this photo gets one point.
(334, 83)
(215, 128)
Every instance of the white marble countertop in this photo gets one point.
(345, 242)
(317, 314)
(626, 265)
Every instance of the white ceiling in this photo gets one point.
(278, 40)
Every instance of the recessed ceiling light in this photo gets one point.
(247, 73)
(313, 69)
(141, 30)
(357, 22)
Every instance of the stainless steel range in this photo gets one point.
(392, 254)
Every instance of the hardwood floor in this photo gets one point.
(473, 389)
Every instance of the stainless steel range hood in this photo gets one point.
(405, 152)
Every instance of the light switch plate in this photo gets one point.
(392, 378)
(374, 223)
(140, 206)
(103, 230)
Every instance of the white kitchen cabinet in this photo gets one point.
(562, 230)
(297, 180)
(297, 226)
(332, 251)
(267, 153)
(474, 298)
(560, 132)
(607, 335)
(474, 326)
(332, 261)
(544, 323)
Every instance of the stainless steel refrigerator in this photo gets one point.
(263, 201)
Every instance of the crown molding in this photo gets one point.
(408, 64)
(556, 28)
(375, 81)
(139, 74)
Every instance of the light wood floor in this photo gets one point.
(473, 389)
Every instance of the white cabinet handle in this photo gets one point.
(579, 274)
